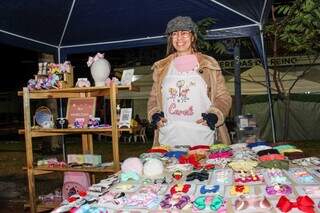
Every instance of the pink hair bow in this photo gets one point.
(91, 60)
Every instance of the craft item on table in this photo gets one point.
(259, 143)
(140, 199)
(245, 165)
(290, 151)
(61, 123)
(301, 176)
(311, 191)
(159, 150)
(303, 203)
(114, 80)
(275, 176)
(213, 202)
(199, 147)
(237, 190)
(132, 164)
(184, 148)
(257, 149)
(178, 166)
(191, 159)
(174, 154)
(209, 189)
(248, 177)
(145, 156)
(310, 161)
(177, 175)
(294, 155)
(162, 180)
(277, 164)
(267, 152)
(83, 82)
(257, 203)
(78, 123)
(218, 146)
(128, 186)
(222, 176)
(99, 188)
(51, 198)
(112, 200)
(153, 168)
(224, 154)
(238, 146)
(93, 122)
(171, 201)
(284, 147)
(180, 188)
(244, 154)
(271, 157)
(200, 176)
(219, 162)
(279, 189)
(314, 171)
(129, 176)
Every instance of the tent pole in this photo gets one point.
(237, 81)
(266, 69)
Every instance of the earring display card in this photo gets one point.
(301, 176)
(274, 176)
(311, 191)
(222, 177)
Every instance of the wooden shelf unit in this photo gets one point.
(86, 133)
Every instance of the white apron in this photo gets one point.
(184, 96)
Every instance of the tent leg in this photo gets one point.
(237, 80)
(265, 65)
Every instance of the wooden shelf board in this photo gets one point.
(69, 169)
(50, 92)
(43, 207)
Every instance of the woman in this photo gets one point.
(188, 100)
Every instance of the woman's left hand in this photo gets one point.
(208, 119)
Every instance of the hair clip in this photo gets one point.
(129, 176)
(279, 189)
(243, 203)
(182, 202)
(212, 189)
(180, 188)
(177, 174)
(201, 176)
(215, 202)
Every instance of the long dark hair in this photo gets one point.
(171, 49)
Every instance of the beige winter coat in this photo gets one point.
(217, 92)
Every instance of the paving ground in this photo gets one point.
(13, 181)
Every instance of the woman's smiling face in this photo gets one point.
(181, 41)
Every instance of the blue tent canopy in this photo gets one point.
(64, 27)
(73, 26)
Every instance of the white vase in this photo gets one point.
(100, 71)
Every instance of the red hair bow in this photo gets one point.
(178, 188)
(303, 203)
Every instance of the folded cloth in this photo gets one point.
(271, 157)
(267, 151)
(294, 155)
(277, 164)
(259, 143)
(284, 147)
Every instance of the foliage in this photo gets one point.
(298, 27)
(203, 26)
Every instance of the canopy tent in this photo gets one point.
(253, 82)
(64, 27)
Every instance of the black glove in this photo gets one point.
(211, 119)
(156, 117)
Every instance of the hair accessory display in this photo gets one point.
(224, 154)
(201, 176)
(261, 143)
(279, 189)
(212, 189)
(245, 165)
(300, 176)
(243, 203)
(215, 202)
(275, 176)
(239, 190)
(223, 176)
(168, 201)
(153, 168)
(278, 164)
(177, 175)
(174, 154)
(311, 161)
(180, 188)
(257, 149)
(132, 164)
(267, 152)
(130, 175)
(247, 177)
(303, 203)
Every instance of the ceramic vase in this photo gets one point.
(100, 71)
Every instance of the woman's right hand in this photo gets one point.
(158, 120)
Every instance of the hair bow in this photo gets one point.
(303, 203)
(91, 60)
(213, 189)
(182, 202)
(243, 203)
(129, 176)
(180, 188)
(201, 176)
(216, 202)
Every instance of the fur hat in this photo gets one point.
(180, 23)
(132, 165)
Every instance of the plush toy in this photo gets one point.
(132, 164)
(153, 168)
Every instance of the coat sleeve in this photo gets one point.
(223, 100)
(152, 101)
